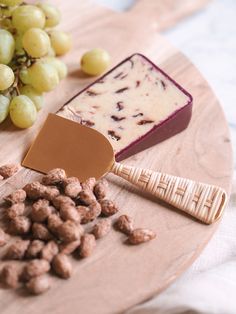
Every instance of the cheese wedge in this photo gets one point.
(135, 105)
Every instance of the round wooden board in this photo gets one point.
(118, 276)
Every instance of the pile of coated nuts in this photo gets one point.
(49, 219)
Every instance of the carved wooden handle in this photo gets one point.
(202, 201)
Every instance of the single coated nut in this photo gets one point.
(69, 231)
(35, 268)
(17, 250)
(40, 231)
(15, 210)
(87, 245)
(100, 189)
(38, 285)
(87, 197)
(49, 251)
(10, 276)
(102, 228)
(62, 266)
(50, 193)
(17, 196)
(40, 210)
(19, 225)
(69, 248)
(90, 213)
(9, 170)
(34, 249)
(54, 221)
(34, 190)
(89, 184)
(54, 176)
(82, 210)
(124, 224)
(62, 200)
(69, 212)
(108, 207)
(72, 189)
(69, 180)
(2, 237)
(141, 235)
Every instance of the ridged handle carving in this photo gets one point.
(202, 201)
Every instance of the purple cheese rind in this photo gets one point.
(174, 124)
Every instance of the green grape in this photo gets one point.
(7, 77)
(61, 42)
(11, 3)
(34, 95)
(27, 16)
(7, 46)
(59, 65)
(36, 42)
(22, 112)
(4, 107)
(95, 61)
(18, 44)
(43, 76)
(24, 76)
(52, 14)
(51, 52)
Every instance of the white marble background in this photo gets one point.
(208, 38)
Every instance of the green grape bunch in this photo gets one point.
(29, 67)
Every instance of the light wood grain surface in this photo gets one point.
(118, 276)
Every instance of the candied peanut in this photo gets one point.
(68, 231)
(82, 210)
(87, 196)
(100, 189)
(34, 249)
(17, 249)
(19, 225)
(38, 285)
(9, 170)
(15, 210)
(35, 268)
(68, 212)
(102, 228)
(54, 176)
(88, 184)
(41, 232)
(17, 196)
(50, 193)
(69, 248)
(10, 276)
(108, 207)
(2, 237)
(69, 180)
(87, 245)
(35, 190)
(62, 266)
(91, 213)
(72, 189)
(49, 251)
(40, 210)
(124, 224)
(141, 235)
(62, 200)
(54, 221)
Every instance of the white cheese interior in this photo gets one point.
(133, 92)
